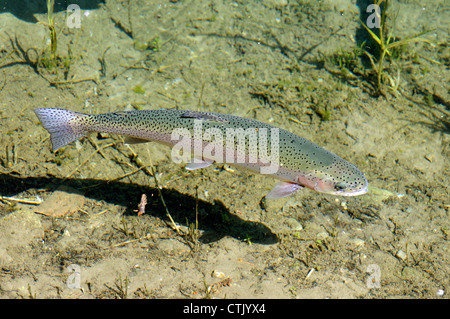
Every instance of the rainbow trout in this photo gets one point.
(203, 138)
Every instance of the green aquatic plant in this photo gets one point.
(346, 63)
(248, 239)
(153, 45)
(389, 48)
(49, 60)
(138, 89)
(51, 26)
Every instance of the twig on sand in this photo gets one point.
(128, 242)
(174, 226)
(153, 173)
(86, 160)
(36, 201)
(141, 206)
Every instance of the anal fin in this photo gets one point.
(134, 140)
(197, 164)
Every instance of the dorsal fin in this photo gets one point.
(204, 116)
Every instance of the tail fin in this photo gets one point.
(64, 126)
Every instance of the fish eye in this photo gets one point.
(340, 186)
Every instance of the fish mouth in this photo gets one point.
(356, 192)
(329, 187)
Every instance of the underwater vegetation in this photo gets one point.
(390, 48)
(384, 50)
(47, 62)
(48, 58)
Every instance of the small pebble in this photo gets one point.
(322, 235)
(401, 254)
(359, 242)
(217, 274)
(293, 224)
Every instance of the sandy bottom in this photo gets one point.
(69, 226)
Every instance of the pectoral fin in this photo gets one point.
(283, 189)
